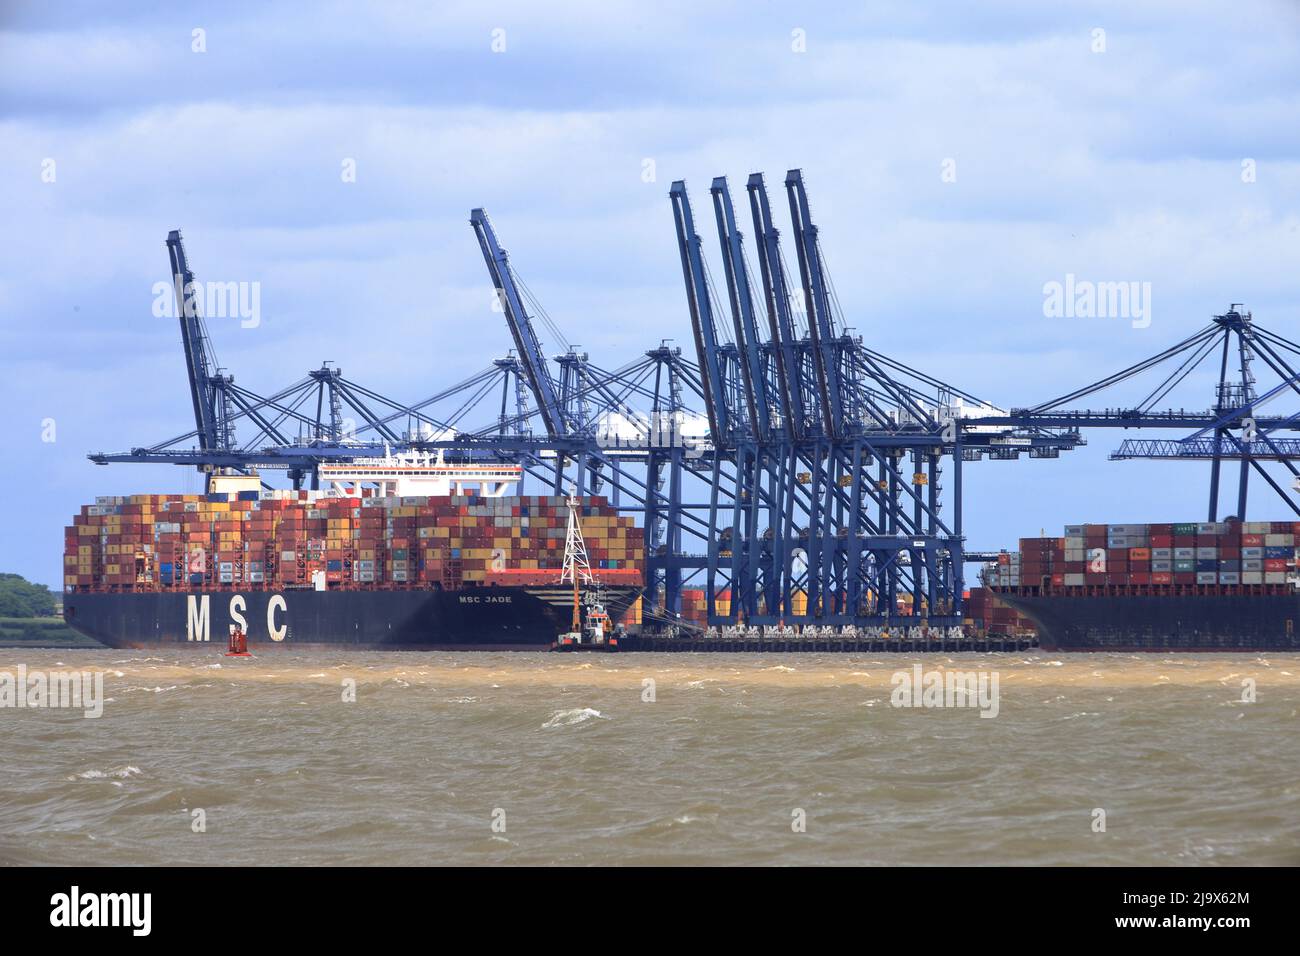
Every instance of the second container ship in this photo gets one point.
(1216, 586)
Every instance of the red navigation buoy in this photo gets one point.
(238, 646)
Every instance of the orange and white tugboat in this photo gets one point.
(592, 630)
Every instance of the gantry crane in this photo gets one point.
(786, 461)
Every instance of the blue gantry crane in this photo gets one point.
(1235, 426)
(786, 464)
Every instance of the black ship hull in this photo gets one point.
(476, 618)
(1216, 622)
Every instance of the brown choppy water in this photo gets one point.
(709, 773)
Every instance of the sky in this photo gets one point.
(958, 158)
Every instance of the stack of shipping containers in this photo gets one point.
(1154, 556)
(986, 615)
(285, 539)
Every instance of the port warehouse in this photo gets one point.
(803, 478)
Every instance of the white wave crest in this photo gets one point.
(564, 718)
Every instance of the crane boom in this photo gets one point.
(197, 362)
(521, 324)
(817, 305)
(702, 323)
(777, 294)
(753, 375)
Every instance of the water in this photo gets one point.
(563, 750)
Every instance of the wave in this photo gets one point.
(579, 715)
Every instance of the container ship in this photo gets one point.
(367, 563)
(1216, 586)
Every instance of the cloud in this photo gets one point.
(1119, 165)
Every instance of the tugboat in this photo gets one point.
(592, 631)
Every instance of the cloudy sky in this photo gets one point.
(1106, 140)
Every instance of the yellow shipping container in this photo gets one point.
(799, 600)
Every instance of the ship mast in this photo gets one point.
(575, 557)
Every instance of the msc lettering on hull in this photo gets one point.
(198, 623)
(490, 599)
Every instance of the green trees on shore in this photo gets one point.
(21, 598)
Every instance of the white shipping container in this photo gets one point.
(1252, 577)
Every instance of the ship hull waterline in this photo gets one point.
(1162, 623)
(478, 618)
